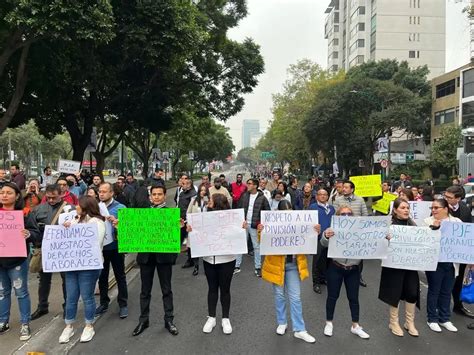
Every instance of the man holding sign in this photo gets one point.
(163, 263)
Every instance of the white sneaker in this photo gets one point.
(87, 334)
(360, 332)
(434, 327)
(328, 329)
(226, 327)
(449, 326)
(66, 335)
(305, 336)
(210, 324)
(281, 329)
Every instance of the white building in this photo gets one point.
(362, 30)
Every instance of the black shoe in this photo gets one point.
(317, 288)
(101, 310)
(470, 326)
(463, 311)
(362, 282)
(140, 328)
(258, 272)
(39, 313)
(188, 264)
(4, 327)
(171, 328)
(196, 270)
(250, 253)
(323, 282)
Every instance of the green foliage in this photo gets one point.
(444, 151)
(249, 156)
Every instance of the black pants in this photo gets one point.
(320, 266)
(118, 265)
(44, 289)
(335, 277)
(458, 286)
(147, 273)
(219, 278)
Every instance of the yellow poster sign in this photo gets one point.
(367, 185)
(383, 205)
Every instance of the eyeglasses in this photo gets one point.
(448, 197)
(346, 214)
(435, 208)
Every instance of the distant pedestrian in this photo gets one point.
(238, 189)
(17, 177)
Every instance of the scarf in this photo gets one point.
(306, 200)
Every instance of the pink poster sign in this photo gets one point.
(12, 242)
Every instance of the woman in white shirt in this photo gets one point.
(82, 283)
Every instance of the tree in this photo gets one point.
(444, 150)
(249, 156)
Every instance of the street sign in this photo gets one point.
(384, 163)
(267, 155)
(410, 156)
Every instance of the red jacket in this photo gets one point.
(237, 191)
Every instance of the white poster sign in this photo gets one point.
(359, 237)
(217, 233)
(419, 210)
(457, 242)
(66, 217)
(109, 228)
(71, 249)
(412, 248)
(289, 232)
(69, 166)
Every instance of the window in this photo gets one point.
(361, 26)
(335, 55)
(446, 116)
(411, 54)
(336, 17)
(334, 67)
(361, 10)
(360, 59)
(361, 43)
(468, 84)
(336, 28)
(373, 42)
(335, 42)
(373, 23)
(468, 114)
(446, 88)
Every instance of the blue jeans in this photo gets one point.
(17, 278)
(256, 249)
(292, 288)
(334, 278)
(81, 283)
(440, 285)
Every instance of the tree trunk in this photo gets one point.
(79, 140)
(11, 47)
(142, 145)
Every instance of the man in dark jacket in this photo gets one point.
(458, 209)
(253, 202)
(17, 176)
(163, 263)
(185, 196)
(43, 215)
(157, 178)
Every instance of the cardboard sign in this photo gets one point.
(217, 233)
(109, 228)
(383, 205)
(289, 232)
(419, 210)
(359, 237)
(367, 185)
(71, 249)
(12, 242)
(149, 230)
(457, 242)
(66, 217)
(69, 166)
(412, 248)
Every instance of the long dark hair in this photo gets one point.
(19, 203)
(397, 204)
(284, 205)
(220, 202)
(197, 201)
(89, 207)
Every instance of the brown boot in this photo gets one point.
(410, 319)
(394, 326)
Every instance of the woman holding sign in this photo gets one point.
(401, 285)
(441, 281)
(82, 283)
(286, 272)
(219, 270)
(347, 271)
(14, 270)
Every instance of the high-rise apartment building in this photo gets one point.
(250, 129)
(362, 30)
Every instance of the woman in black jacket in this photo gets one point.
(401, 285)
(14, 269)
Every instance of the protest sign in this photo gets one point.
(383, 205)
(149, 230)
(419, 210)
(69, 166)
(12, 242)
(367, 185)
(359, 237)
(457, 242)
(109, 228)
(217, 233)
(66, 217)
(289, 232)
(412, 248)
(74, 248)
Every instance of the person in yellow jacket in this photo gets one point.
(286, 272)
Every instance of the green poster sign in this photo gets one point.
(149, 230)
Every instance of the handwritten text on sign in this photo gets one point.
(419, 210)
(12, 242)
(383, 205)
(457, 242)
(289, 233)
(71, 249)
(412, 248)
(217, 233)
(149, 230)
(367, 185)
(69, 166)
(359, 237)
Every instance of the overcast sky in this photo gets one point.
(289, 30)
